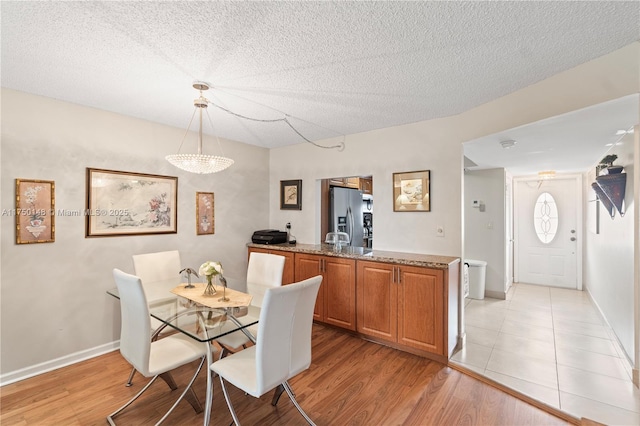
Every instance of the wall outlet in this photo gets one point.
(439, 231)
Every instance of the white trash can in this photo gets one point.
(477, 271)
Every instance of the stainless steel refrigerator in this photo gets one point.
(346, 214)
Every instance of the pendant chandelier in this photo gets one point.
(199, 163)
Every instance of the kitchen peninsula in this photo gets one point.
(407, 301)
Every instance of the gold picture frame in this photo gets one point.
(412, 191)
(205, 213)
(291, 195)
(126, 203)
(35, 211)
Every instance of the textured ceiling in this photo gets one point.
(334, 67)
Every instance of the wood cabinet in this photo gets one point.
(288, 276)
(366, 185)
(336, 301)
(402, 304)
(413, 308)
(347, 182)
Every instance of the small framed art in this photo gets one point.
(35, 211)
(290, 195)
(205, 221)
(411, 191)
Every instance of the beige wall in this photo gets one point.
(53, 296)
(483, 241)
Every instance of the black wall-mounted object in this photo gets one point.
(611, 190)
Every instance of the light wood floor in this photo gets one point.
(350, 382)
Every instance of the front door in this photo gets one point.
(548, 231)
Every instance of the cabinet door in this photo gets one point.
(340, 292)
(307, 266)
(352, 182)
(337, 182)
(421, 308)
(287, 275)
(366, 185)
(377, 305)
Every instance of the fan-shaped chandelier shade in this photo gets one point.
(199, 163)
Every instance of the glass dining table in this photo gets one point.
(175, 307)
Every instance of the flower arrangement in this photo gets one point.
(210, 268)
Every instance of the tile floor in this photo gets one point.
(551, 344)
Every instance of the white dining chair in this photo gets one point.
(155, 269)
(283, 349)
(263, 271)
(152, 358)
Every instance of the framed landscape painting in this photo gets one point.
(126, 203)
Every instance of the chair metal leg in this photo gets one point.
(110, 416)
(209, 401)
(195, 404)
(169, 380)
(197, 407)
(226, 397)
(276, 395)
(130, 381)
(287, 387)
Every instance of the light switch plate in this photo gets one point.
(439, 231)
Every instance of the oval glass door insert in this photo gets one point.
(545, 218)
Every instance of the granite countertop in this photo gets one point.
(360, 253)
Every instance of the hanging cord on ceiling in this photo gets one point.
(340, 146)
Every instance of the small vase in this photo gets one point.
(210, 289)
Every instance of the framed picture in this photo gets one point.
(35, 211)
(290, 195)
(125, 203)
(411, 191)
(205, 222)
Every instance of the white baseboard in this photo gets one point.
(624, 356)
(54, 364)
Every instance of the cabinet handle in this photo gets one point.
(393, 280)
(399, 276)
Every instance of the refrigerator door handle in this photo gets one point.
(351, 224)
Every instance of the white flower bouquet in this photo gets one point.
(210, 268)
